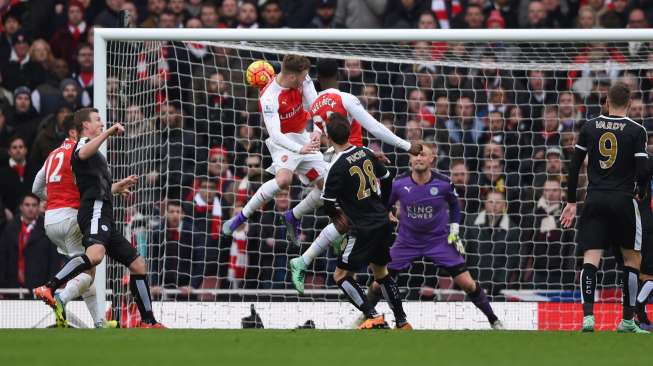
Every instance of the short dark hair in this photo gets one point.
(455, 162)
(270, 2)
(69, 123)
(550, 108)
(338, 128)
(17, 137)
(167, 11)
(573, 96)
(429, 13)
(295, 64)
(473, 6)
(11, 15)
(173, 202)
(30, 195)
(208, 4)
(619, 94)
(327, 68)
(81, 46)
(81, 116)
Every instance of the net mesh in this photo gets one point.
(504, 117)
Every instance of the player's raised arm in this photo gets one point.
(308, 92)
(91, 147)
(369, 123)
(38, 187)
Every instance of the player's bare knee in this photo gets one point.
(341, 226)
(95, 254)
(283, 183)
(339, 274)
(379, 272)
(632, 258)
(466, 283)
(138, 266)
(375, 287)
(284, 179)
(593, 256)
(645, 277)
(319, 183)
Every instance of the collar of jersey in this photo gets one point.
(418, 184)
(609, 116)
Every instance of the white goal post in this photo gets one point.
(380, 45)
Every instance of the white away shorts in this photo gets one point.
(66, 235)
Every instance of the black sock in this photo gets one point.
(480, 300)
(642, 299)
(374, 295)
(640, 310)
(629, 277)
(391, 294)
(75, 266)
(356, 296)
(588, 287)
(140, 289)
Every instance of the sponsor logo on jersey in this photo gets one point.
(434, 191)
(407, 189)
(105, 228)
(291, 113)
(419, 212)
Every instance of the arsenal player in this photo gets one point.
(284, 104)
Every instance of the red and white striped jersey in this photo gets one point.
(285, 112)
(336, 101)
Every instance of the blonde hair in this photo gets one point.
(587, 9)
(49, 58)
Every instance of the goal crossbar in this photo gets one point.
(376, 35)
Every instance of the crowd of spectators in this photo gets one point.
(503, 135)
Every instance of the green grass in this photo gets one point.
(68, 347)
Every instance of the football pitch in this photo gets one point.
(68, 347)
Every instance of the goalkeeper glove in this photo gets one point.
(454, 239)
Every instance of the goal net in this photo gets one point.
(504, 117)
